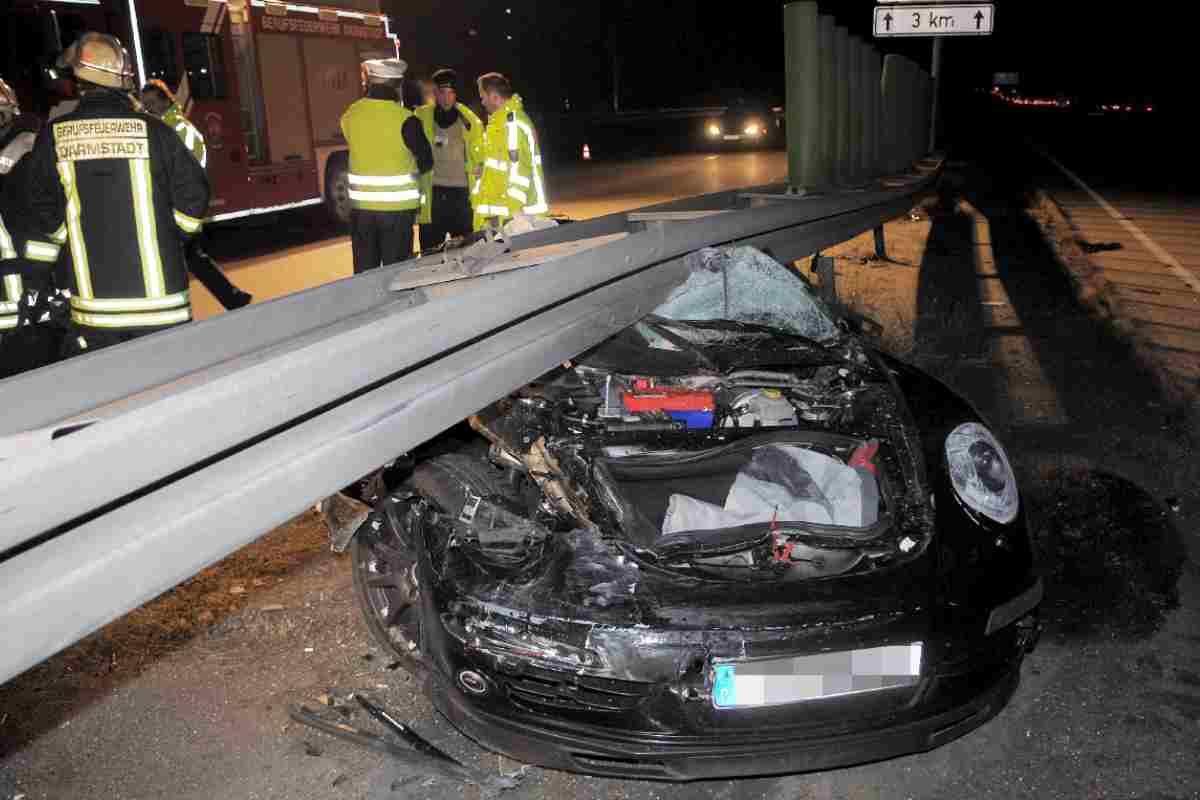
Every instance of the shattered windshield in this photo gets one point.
(743, 284)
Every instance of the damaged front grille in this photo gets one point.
(539, 689)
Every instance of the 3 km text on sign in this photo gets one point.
(945, 20)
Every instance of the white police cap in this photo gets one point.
(386, 68)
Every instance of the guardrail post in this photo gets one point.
(802, 50)
(889, 122)
(841, 50)
(925, 137)
(828, 110)
(871, 88)
(908, 112)
(857, 102)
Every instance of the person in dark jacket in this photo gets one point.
(159, 102)
(28, 339)
(121, 190)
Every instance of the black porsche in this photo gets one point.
(733, 539)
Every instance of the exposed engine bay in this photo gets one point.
(768, 464)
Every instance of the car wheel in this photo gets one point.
(383, 566)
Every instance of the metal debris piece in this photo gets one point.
(343, 515)
(422, 762)
(404, 732)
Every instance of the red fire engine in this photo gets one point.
(265, 81)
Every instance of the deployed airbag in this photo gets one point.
(788, 484)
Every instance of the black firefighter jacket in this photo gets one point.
(122, 192)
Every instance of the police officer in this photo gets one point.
(511, 183)
(158, 101)
(27, 340)
(457, 137)
(388, 154)
(124, 193)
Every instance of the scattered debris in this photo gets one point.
(324, 699)
(1098, 247)
(431, 762)
(311, 749)
(1173, 504)
(338, 781)
(237, 589)
(272, 607)
(403, 731)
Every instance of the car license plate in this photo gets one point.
(779, 681)
(732, 137)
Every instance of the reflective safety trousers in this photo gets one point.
(383, 172)
(512, 181)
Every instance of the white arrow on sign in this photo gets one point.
(938, 20)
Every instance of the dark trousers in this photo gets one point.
(205, 270)
(451, 214)
(82, 339)
(29, 347)
(380, 238)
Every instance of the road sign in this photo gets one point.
(934, 20)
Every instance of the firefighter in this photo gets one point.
(388, 154)
(124, 193)
(511, 182)
(27, 339)
(457, 137)
(158, 101)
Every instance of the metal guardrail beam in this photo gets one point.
(191, 460)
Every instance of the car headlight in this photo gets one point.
(753, 129)
(714, 129)
(980, 472)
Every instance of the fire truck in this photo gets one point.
(265, 81)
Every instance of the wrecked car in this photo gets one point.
(733, 539)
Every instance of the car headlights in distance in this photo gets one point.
(753, 129)
(714, 129)
(981, 473)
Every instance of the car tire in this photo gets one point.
(382, 565)
(337, 188)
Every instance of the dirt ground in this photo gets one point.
(187, 697)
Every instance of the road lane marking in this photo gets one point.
(1181, 272)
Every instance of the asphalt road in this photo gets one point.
(285, 253)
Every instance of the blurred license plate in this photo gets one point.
(732, 137)
(778, 681)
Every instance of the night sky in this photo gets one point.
(677, 53)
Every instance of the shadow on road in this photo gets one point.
(1081, 412)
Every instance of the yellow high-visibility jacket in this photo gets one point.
(512, 181)
(383, 172)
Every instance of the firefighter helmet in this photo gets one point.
(100, 59)
(9, 108)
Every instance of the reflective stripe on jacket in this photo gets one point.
(472, 135)
(512, 181)
(383, 172)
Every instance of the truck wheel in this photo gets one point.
(382, 565)
(337, 188)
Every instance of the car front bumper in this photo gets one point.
(581, 748)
